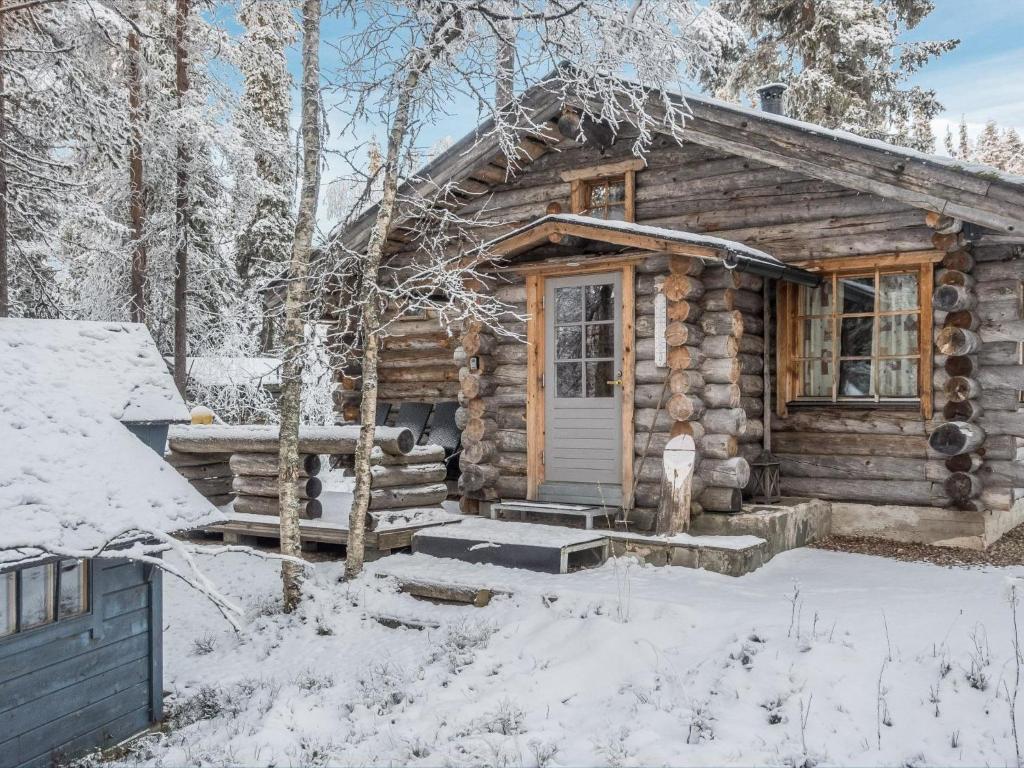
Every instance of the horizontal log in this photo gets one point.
(962, 486)
(478, 343)
(922, 493)
(650, 395)
(960, 259)
(412, 496)
(955, 437)
(479, 429)
(686, 382)
(421, 454)
(684, 358)
(724, 421)
(860, 467)
(215, 486)
(963, 462)
(310, 509)
(954, 277)
(268, 464)
(678, 334)
(961, 388)
(511, 487)
(721, 370)
(720, 346)
(477, 453)
(718, 446)
(867, 421)
(714, 499)
(680, 287)
(957, 341)
(1002, 376)
(176, 459)
(721, 300)
(509, 463)
(475, 477)
(264, 439)
(722, 395)
(753, 406)
(684, 407)
(259, 485)
(965, 318)
(722, 323)
(474, 386)
(206, 471)
(964, 410)
(511, 440)
(403, 475)
(430, 373)
(861, 444)
(652, 420)
(683, 311)
(960, 365)
(953, 298)
(1008, 474)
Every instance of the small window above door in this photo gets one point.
(605, 192)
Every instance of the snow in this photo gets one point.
(233, 371)
(110, 367)
(532, 534)
(630, 665)
(73, 477)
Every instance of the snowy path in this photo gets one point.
(631, 666)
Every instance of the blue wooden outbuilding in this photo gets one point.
(85, 501)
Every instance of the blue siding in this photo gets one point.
(88, 682)
(153, 435)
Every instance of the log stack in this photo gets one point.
(208, 473)
(956, 434)
(733, 358)
(251, 455)
(667, 400)
(256, 488)
(481, 375)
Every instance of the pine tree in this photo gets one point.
(844, 63)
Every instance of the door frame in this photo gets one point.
(536, 334)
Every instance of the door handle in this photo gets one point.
(615, 383)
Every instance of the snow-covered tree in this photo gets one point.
(1000, 148)
(263, 247)
(845, 62)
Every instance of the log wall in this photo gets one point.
(718, 339)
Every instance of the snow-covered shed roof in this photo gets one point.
(73, 478)
(980, 194)
(645, 237)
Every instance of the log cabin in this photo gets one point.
(841, 310)
(83, 491)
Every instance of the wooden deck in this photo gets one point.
(384, 540)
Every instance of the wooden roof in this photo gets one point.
(974, 193)
(554, 227)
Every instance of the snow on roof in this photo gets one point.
(675, 235)
(73, 478)
(113, 369)
(233, 371)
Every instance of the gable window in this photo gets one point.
(861, 336)
(604, 198)
(606, 191)
(37, 595)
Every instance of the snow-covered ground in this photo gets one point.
(817, 657)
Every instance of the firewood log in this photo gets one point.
(267, 464)
(308, 488)
(310, 509)
(955, 437)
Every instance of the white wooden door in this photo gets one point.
(583, 390)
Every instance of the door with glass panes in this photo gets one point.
(583, 390)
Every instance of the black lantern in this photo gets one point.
(765, 472)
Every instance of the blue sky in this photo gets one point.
(983, 78)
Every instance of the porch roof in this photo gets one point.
(733, 255)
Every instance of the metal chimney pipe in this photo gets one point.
(771, 98)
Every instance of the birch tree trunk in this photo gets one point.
(5, 301)
(182, 9)
(355, 548)
(290, 466)
(136, 201)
